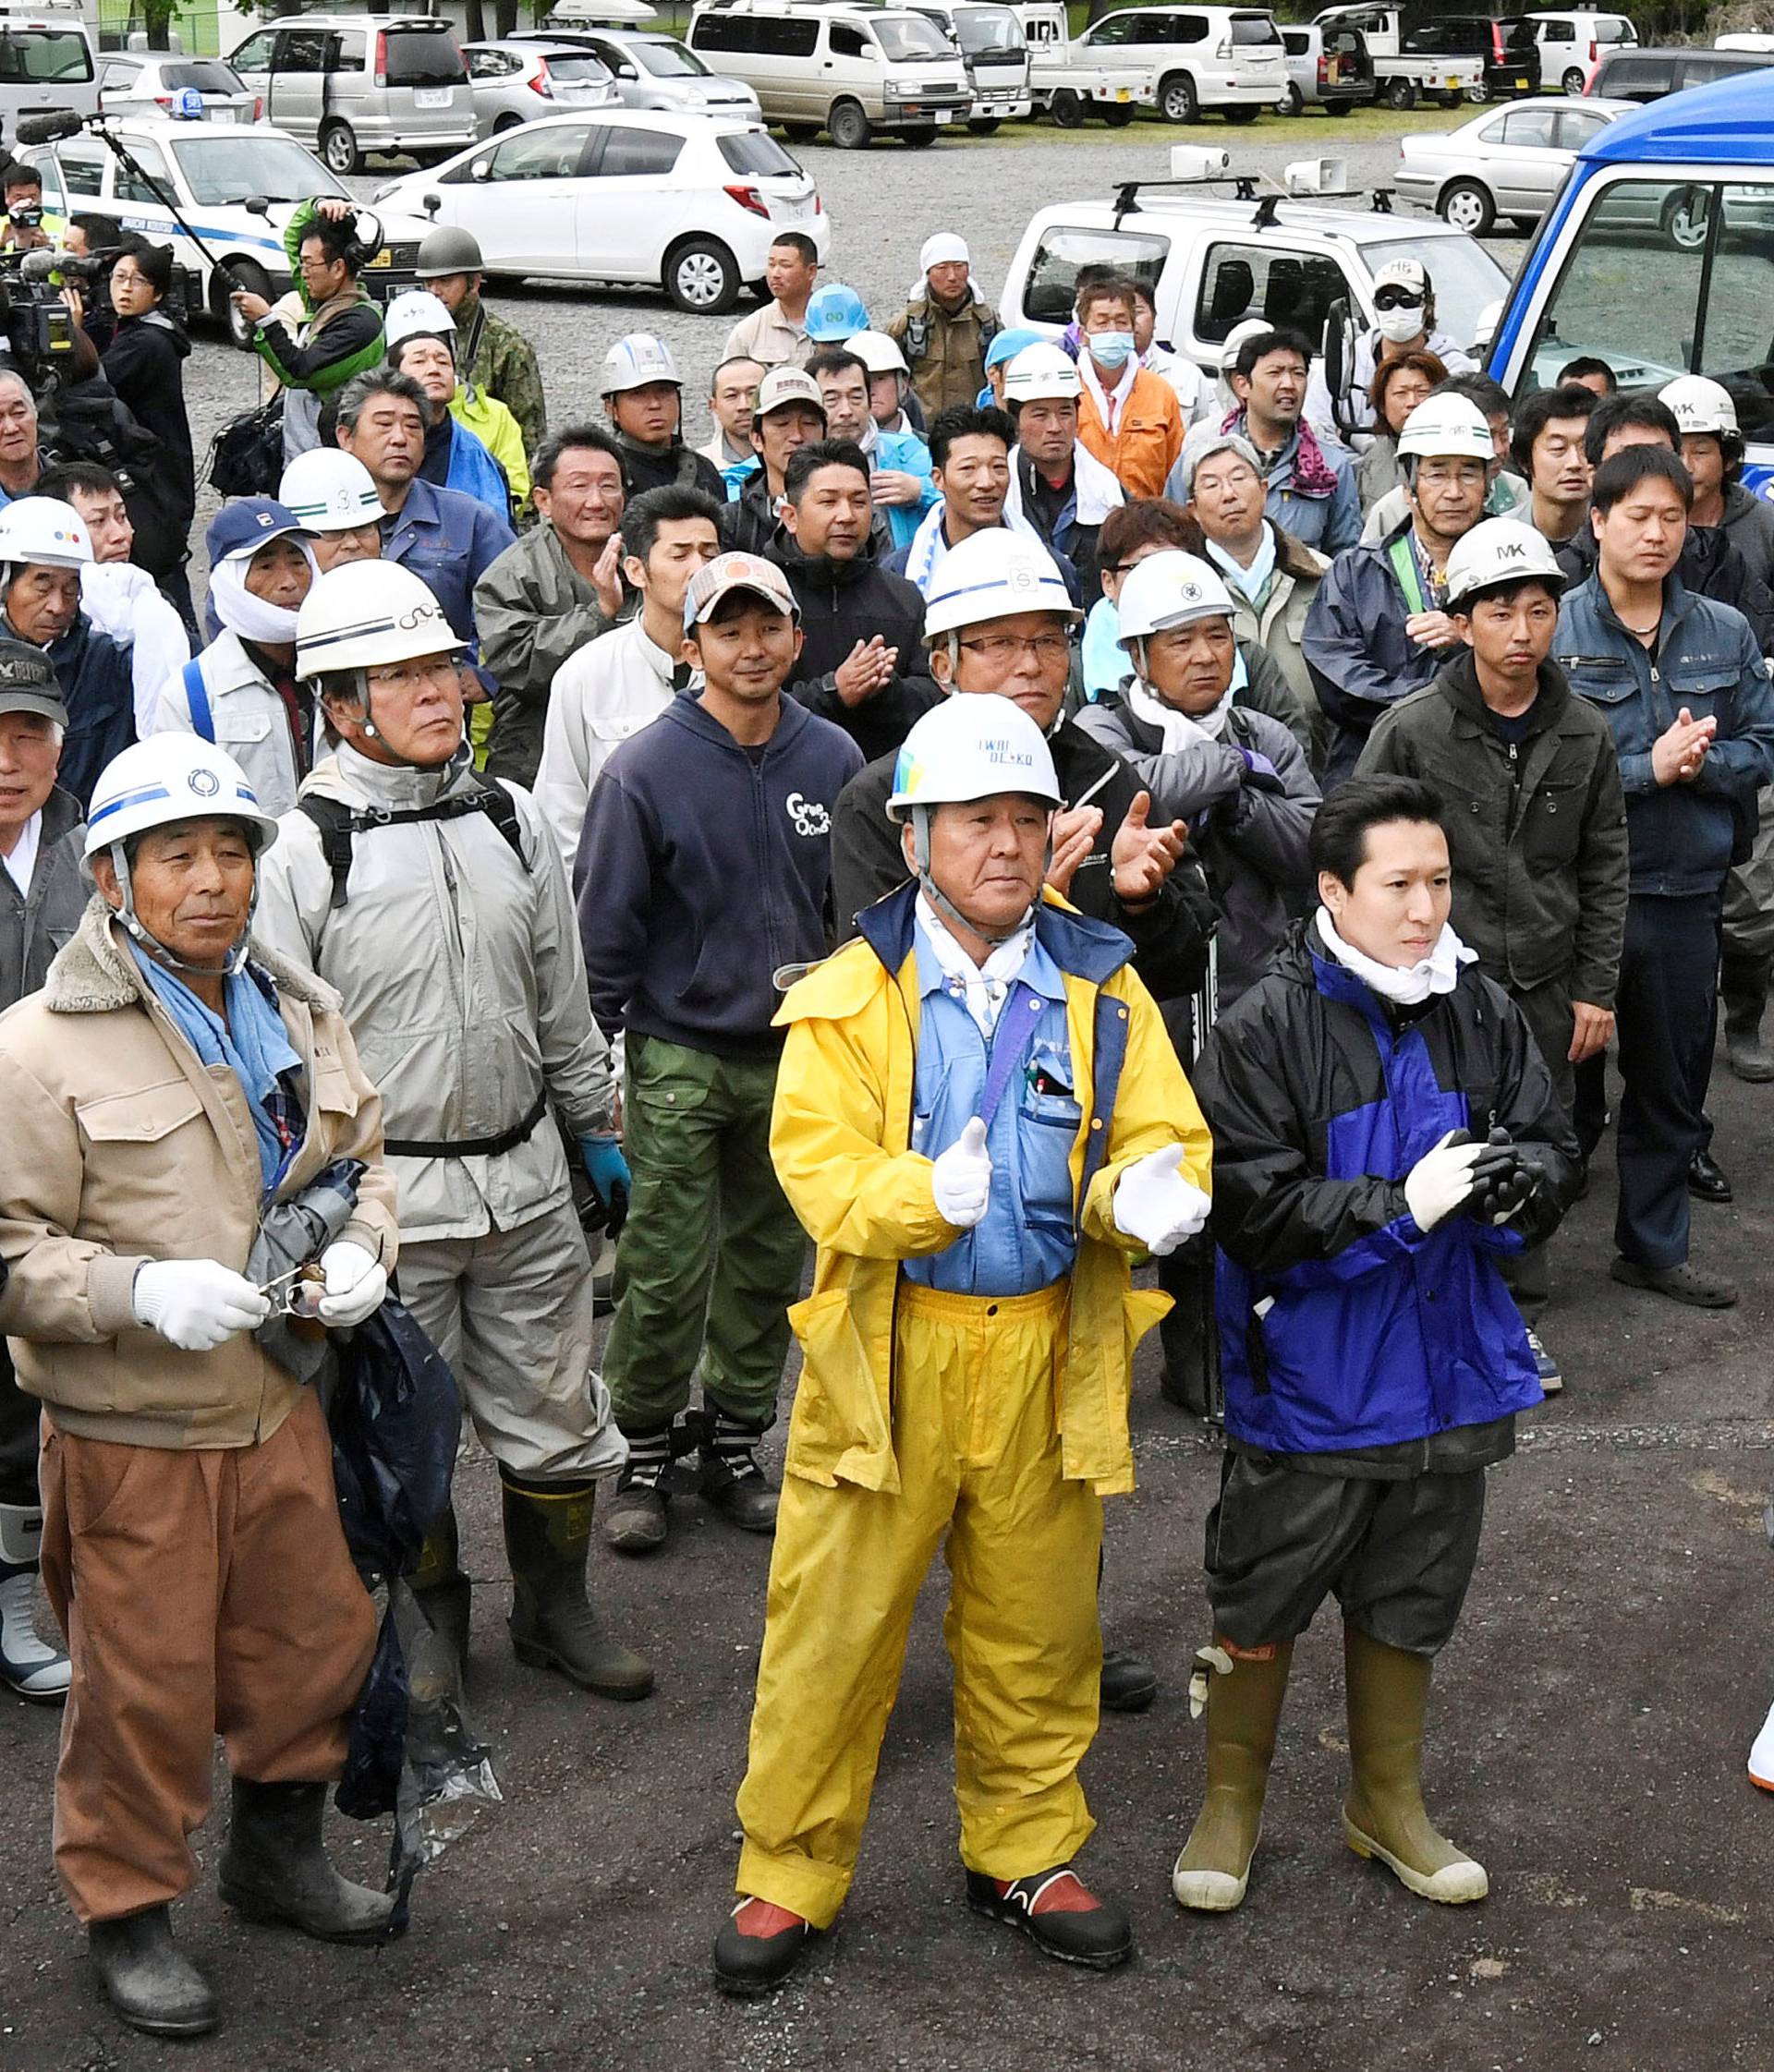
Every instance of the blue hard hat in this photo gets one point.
(1008, 343)
(835, 314)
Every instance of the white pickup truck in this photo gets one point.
(1403, 79)
(1071, 88)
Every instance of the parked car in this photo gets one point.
(655, 71)
(213, 171)
(46, 64)
(1213, 264)
(1072, 93)
(1327, 68)
(1645, 75)
(346, 85)
(1403, 77)
(1505, 163)
(143, 83)
(1505, 49)
(514, 83)
(1226, 61)
(995, 52)
(1572, 46)
(689, 202)
(848, 70)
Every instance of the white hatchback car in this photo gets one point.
(688, 201)
(143, 83)
(1226, 61)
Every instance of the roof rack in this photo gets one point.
(1305, 180)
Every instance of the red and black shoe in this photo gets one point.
(758, 1947)
(1058, 1913)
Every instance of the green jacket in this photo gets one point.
(497, 357)
(340, 338)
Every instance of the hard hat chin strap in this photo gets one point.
(938, 899)
(156, 948)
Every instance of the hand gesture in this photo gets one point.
(606, 577)
(866, 670)
(1073, 838)
(961, 1177)
(1677, 755)
(1143, 856)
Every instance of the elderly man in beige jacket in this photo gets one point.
(169, 1082)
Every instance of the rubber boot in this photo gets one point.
(444, 1594)
(1383, 1815)
(30, 1667)
(1243, 1710)
(148, 1978)
(274, 1869)
(548, 1536)
(732, 1480)
(1743, 993)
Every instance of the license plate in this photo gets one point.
(942, 114)
(432, 97)
(383, 258)
(1123, 93)
(1521, 85)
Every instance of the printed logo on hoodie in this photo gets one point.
(809, 816)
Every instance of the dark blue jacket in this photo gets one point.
(97, 689)
(1361, 659)
(701, 873)
(450, 540)
(1371, 1332)
(1709, 661)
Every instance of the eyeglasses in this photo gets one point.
(1397, 298)
(402, 677)
(1003, 648)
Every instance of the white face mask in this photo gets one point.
(1397, 326)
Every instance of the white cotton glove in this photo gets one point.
(1440, 1182)
(196, 1303)
(1156, 1204)
(961, 1177)
(355, 1284)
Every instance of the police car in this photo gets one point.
(211, 171)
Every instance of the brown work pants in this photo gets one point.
(202, 1592)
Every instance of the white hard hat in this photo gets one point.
(171, 777)
(1041, 371)
(993, 574)
(1166, 591)
(416, 313)
(1499, 551)
(973, 745)
(43, 531)
(366, 613)
(636, 362)
(1699, 404)
(878, 353)
(1449, 427)
(330, 491)
(1251, 327)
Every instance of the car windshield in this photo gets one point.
(229, 168)
(40, 56)
(1248, 29)
(989, 32)
(909, 38)
(668, 61)
(1467, 279)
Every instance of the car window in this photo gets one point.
(254, 54)
(1557, 32)
(1528, 125)
(1615, 32)
(846, 42)
(628, 151)
(1063, 251)
(1183, 28)
(555, 153)
(1492, 133)
(423, 57)
(34, 56)
(348, 50)
(722, 32)
(302, 50)
(115, 75)
(1118, 28)
(909, 39)
(232, 163)
(208, 75)
(1297, 41)
(82, 164)
(1628, 75)
(752, 151)
(667, 60)
(577, 66)
(1576, 131)
(129, 186)
(1291, 290)
(1248, 29)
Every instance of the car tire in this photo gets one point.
(702, 277)
(1238, 118)
(848, 126)
(243, 273)
(1680, 224)
(924, 134)
(1450, 101)
(800, 132)
(1478, 95)
(1292, 103)
(985, 125)
(1401, 95)
(339, 150)
(1067, 108)
(1574, 82)
(1118, 113)
(1178, 101)
(505, 123)
(1467, 206)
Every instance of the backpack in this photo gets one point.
(340, 824)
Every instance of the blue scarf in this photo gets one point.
(252, 1043)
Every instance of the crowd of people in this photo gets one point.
(1006, 809)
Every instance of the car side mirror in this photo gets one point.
(626, 72)
(431, 203)
(256, 205)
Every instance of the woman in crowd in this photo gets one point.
(1398, 386)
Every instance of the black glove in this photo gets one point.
(1503, 1180)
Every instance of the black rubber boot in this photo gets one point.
(548, 1536)
(148, 1978)
(732, 1480)
(1742, 993)
(1059, 1915)
(444, 1594)
(274, 1869)
(1129, 1682)
(758, 1946)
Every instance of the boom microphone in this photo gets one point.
(50, 128)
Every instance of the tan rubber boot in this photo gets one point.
(1383, 1815)
(1244, 1707)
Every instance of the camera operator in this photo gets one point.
(27, 228)
(341, 334)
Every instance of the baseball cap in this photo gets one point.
(248, 523)
(28, 683)
(788, 384)
(728, 573)
(1403, 274)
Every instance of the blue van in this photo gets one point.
(1657, 256)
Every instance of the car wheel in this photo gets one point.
(1117, 114)
(1177, 99)
(223, 280)
(1451, 100)
(1292, 103)
(924, 134)
(702, 277)
(505, 123)
(1239, 117)
(1067, 108)
(985, 125)
(339, 149)
(1572, 82)
(1686, 215)
(1478, 95)
(848, 126)
(1467, 207)
(1401, 95)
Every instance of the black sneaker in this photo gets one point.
(637, 1519)
(1059, 1915)
(758, 1946)
(732, 1481)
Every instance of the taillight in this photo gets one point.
(1223, 52)
(1594, 52)
(1324, 71)
(538, 80)
(381, 57)
(819, 206)
(750, 198)
(1497, 42)
(163, 100)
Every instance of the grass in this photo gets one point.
(1312, 134)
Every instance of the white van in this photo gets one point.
(995, 51)
(849, 70)
(46, 63)
(1230, 61)
(1573, 44)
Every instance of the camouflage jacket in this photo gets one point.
(496, 356)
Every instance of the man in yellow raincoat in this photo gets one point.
(979, 1119)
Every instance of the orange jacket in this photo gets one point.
(1147, 440)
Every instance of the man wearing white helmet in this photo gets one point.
(891, 400)
(1057, 484)
(1378, 628)
(976, 1174)
(1536, 817)
(433, 899)
(472, 441)
(643, 396)
(1712, 451)
(331, 495)
(44, 547)
(191, 1544)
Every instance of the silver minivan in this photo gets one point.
(352, 84)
